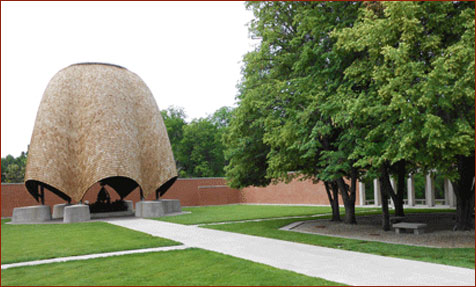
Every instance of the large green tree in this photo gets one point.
(283, 131)
(449, 127)
(412, 92)
(337, 90)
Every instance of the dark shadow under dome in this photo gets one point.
(34, 186)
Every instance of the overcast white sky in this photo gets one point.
(188, 53)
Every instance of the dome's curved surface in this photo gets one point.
(98, 122)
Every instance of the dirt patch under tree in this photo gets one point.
(438, 232)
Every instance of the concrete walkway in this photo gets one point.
(263, 219)
(341, 266)
(275, 218)
(92, 256)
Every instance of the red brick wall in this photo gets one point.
(15, 195)
(190, 192)
(295, 192)
(202, 191)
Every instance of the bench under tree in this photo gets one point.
(417, 228)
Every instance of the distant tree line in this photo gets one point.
(13, 168)
(197, 146)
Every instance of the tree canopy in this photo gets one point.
(414, 103)
(174, 120)
(341, 90)
(13, 168)
(197, 146)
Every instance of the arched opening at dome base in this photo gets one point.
(120, 184)
(123, 186)
(165, 187)
(37, 190)
(110, 194)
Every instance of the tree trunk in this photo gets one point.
(384, 195)
(397, 198)
(463, 214)
(336, 208)
(464, 191)
(398, 202)
(353, 188)
(350, 214)
(333, 200)
(348, 197)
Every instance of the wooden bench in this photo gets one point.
(418, 228)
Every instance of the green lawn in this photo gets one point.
(236, 212)
(222, 213)
(463, 257)
(184, 267)
(180, 267)
(28, 242)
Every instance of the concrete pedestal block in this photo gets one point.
(171, 205)
(35, 213)
(76, 213)
(138, 210)
(130, 205)
(149, 209)
(58, 210)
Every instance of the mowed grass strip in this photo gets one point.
(462, 257)
(190, 267)
(223, 213)
(29, 242)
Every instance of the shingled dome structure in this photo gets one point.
(98, 123)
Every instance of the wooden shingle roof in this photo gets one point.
(98, 122)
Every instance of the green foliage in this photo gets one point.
(339, 85)
(174, 120)
(201, 150)
(411, 93)
(191, 267)
(197, 146)
(412, 86)
(280, 124)
(345, 89)
(13, 169)
(245, 150)
(221, 118)
(449, 96)
(419, 181)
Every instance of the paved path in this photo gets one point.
(91, 256)
(346, 267)
(263, 219)
(275, 218)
